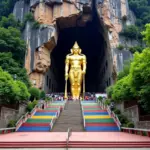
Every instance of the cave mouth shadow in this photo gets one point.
(91, 41)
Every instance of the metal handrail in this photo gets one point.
(5, 129)
(136, 129)
(68, 136)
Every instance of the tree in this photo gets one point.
(42, 95)
(11, 66)
(146, 34)
(125, 70)
(11, 92)
(6, 7)
(140, 77)
(35, 93)
(122, 90)
(10, 41)
(10, 22)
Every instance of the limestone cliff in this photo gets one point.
(54, 15)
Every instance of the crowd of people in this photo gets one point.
(60, 96)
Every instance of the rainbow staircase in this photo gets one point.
(96, 119)
(42, 120)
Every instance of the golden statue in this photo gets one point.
(76, 62)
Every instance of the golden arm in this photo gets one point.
(66, 67)
(84, 64)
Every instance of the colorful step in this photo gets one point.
(94, 113)
(26, 124)
(97, 119)
(108, 120)
(33, 128)
(31, 120)
(101, 128)
(45, 114)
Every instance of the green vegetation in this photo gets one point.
(12, 123)
(133, 82)
(31, 105)
(100, 98)
(42, 95)
(124, 121)
(120, 47)
(130, 32)
(136, 49)
(10, 41)
(6, 7)
(11, 66)
(35, 93)
(11, 91)
(141, 9)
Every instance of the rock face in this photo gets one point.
(57, 14)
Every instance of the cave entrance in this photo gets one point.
(94, 46)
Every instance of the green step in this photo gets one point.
(30, 120)
(110, 120)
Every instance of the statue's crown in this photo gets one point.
(76, 45)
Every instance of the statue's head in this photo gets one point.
(76, 49)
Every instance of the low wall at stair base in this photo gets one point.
(7, 114)
(77, 149)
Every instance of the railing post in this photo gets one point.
(68, 136)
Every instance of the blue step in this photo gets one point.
(33, 128)
(101, 128)
(95, 113)
(45, 113)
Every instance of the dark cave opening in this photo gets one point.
(93, 45)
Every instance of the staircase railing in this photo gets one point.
(26, 116)
(111, 113)
(21, 120)
(143, 132)
(69, 132)
(82, 114)
(7, 130)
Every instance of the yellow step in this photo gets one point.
(43, 117)
(96, 117)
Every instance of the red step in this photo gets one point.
(95, 110)
(91, 107)
(36, 124)
(101, 124)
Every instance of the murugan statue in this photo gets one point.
(75, 70)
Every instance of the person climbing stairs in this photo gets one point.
(71, 117)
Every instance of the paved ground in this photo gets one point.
(76, 136)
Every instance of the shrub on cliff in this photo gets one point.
(130, 32)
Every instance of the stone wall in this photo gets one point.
(8, 114)
(132, 113)
(143, 124)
